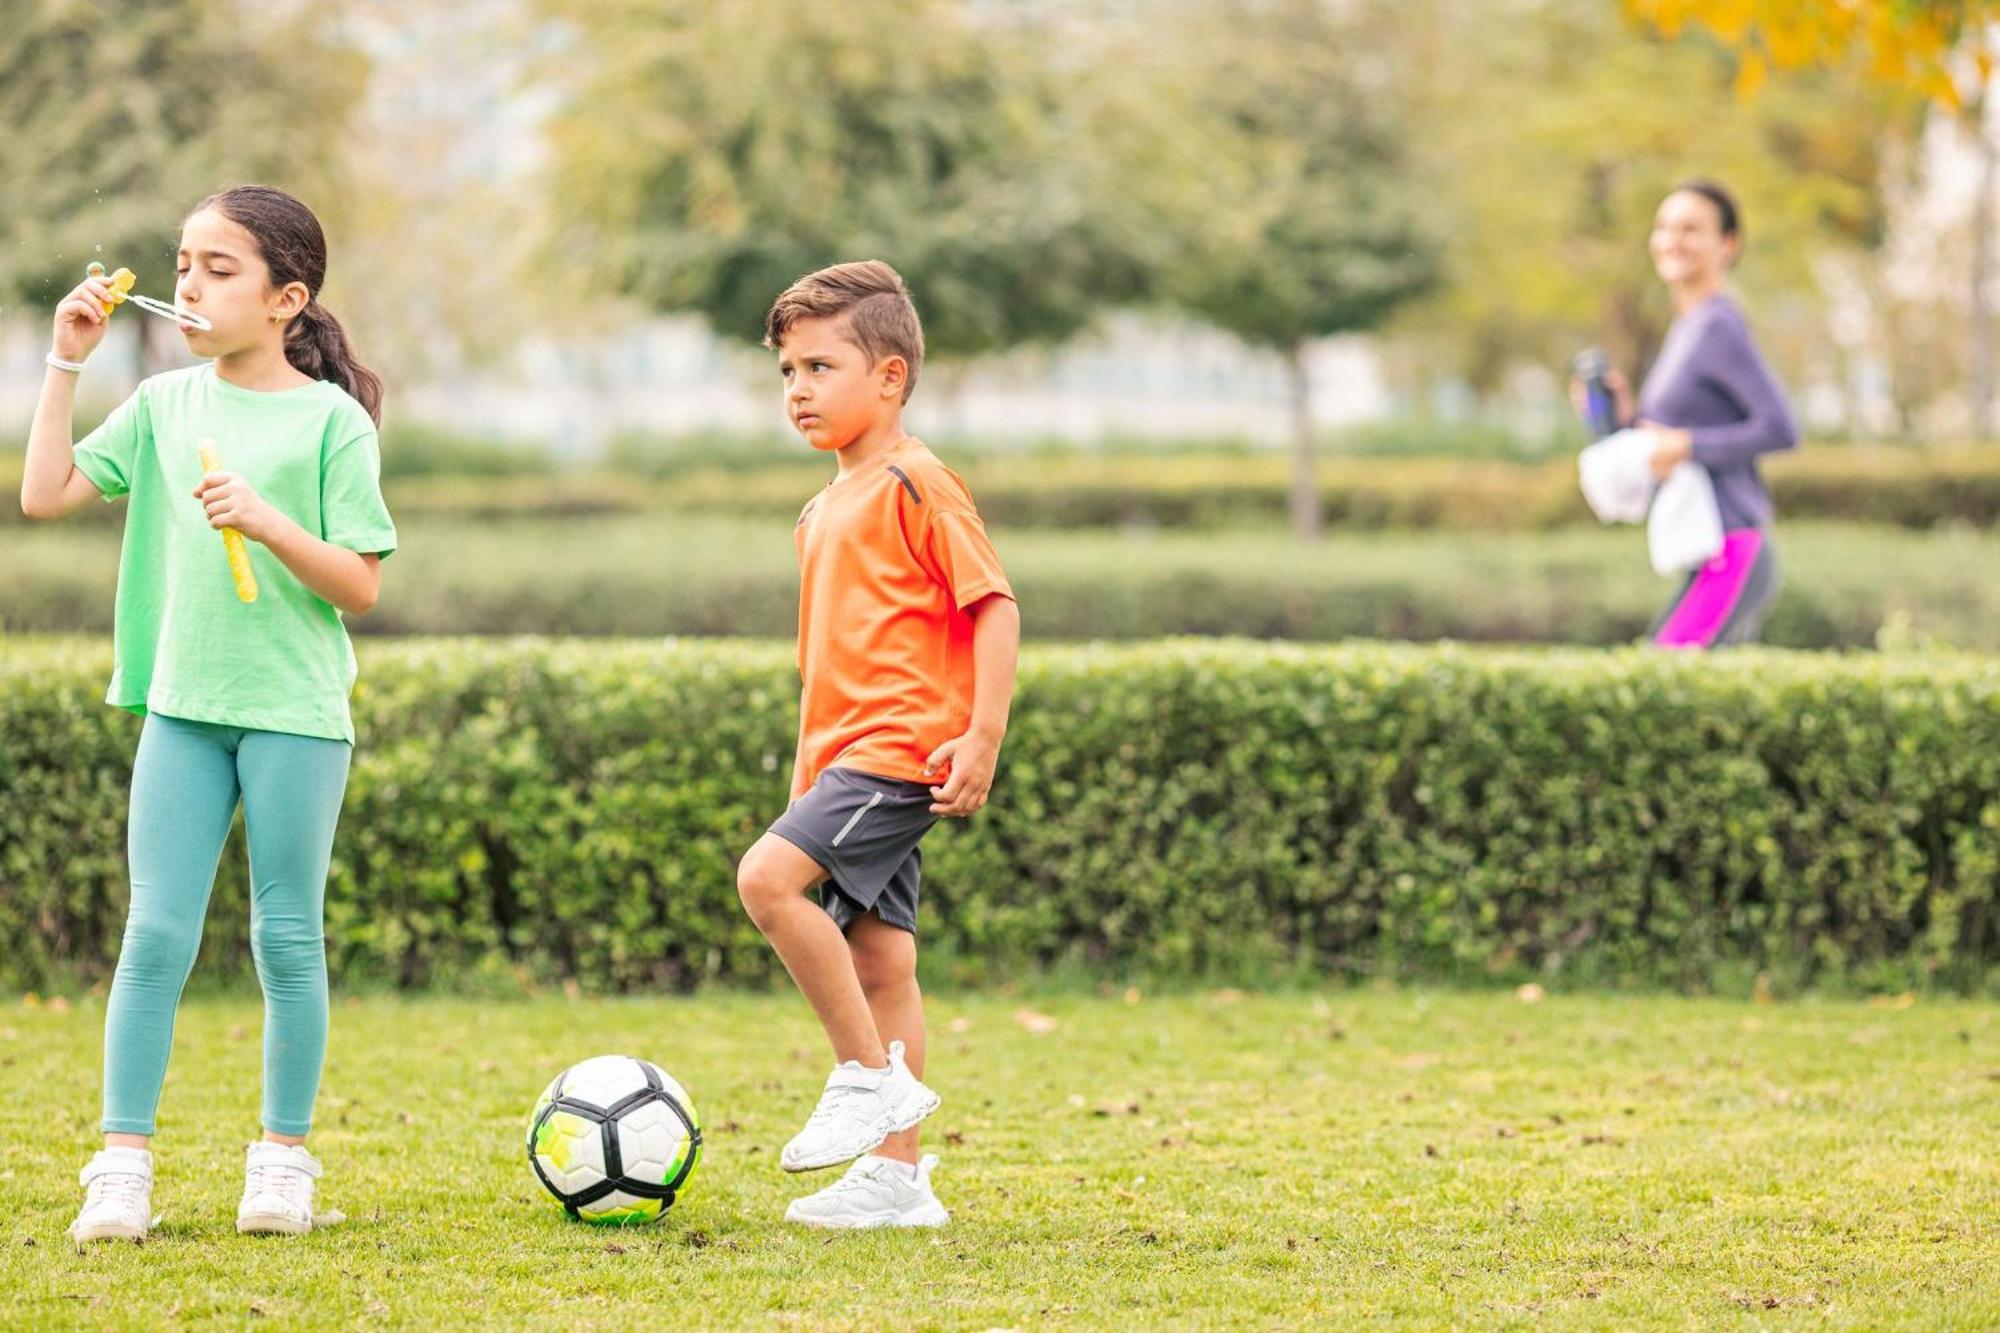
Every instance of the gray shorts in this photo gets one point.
(863, 831)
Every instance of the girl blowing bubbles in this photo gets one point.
(242, 701)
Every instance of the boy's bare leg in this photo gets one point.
(773, 881)
(885, 960)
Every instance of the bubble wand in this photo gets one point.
(232, 540)
(121, 292)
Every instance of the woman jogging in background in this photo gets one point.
(1711, 398)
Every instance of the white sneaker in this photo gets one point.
(860, 1108)
(277, 1190)
(118, 1197)
(875, 1192)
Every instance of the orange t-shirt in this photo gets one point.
(891, 561)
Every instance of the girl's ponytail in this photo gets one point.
(316, 345)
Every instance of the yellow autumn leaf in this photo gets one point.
(1750, 74)
(1730, 19)
(1789, 39)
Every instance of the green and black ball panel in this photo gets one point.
(615, 1140)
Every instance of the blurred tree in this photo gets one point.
(1555, 143)
(1939, 49)
(703, 157)
(122, 114)
(1308, 222)
(1906, 44)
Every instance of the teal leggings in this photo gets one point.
(185, 784)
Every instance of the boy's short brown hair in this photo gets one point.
(881, 318)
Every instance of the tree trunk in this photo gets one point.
(1305, 476)
(1979, 382)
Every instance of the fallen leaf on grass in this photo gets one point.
(960, 1025)
(1530, 993)
(1038, 1024)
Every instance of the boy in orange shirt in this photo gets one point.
(907, 638)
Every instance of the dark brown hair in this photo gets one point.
(1725, 204)
(881, 318)
(294, 249)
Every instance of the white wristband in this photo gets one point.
(73, 367)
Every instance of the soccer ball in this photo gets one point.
(614, 1139)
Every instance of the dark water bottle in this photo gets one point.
(1600, 409)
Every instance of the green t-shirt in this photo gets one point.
(186, 646)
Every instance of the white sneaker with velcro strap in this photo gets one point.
(278, 1191)
(118, 1197)
(859, 1108)
(875, 1192)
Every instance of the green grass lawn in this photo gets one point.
(1197, 1161)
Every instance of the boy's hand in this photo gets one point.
(231, 503)
(972, 758)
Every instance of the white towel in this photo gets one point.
(1683, 525)
(1617, 476)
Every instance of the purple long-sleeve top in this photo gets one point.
(1710, 380)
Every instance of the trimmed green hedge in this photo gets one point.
(530, 811)
(1907, 487)
(1904, 486)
